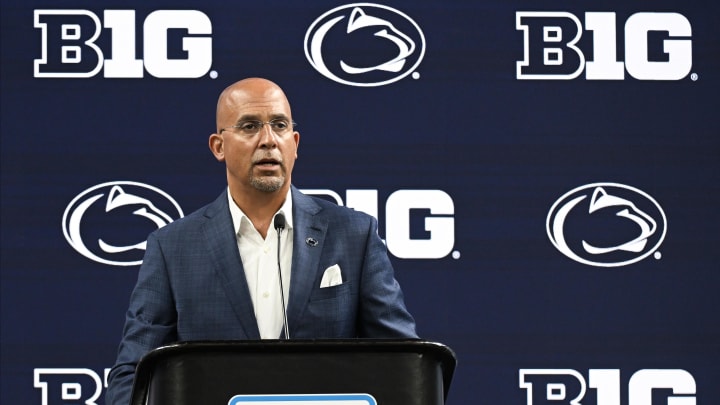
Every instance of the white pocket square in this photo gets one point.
(331, 277)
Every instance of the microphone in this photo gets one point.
(279, 226)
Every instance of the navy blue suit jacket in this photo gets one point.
(192, 286)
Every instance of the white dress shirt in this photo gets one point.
(260, 260)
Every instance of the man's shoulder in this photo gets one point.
(332, 210)
(195, 219)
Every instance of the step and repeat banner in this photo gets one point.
(545, 176)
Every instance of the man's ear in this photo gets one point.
(216, 147)
(296, 135)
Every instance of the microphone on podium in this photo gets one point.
(279, 226)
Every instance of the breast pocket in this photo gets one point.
(328, 293)
(332, 312)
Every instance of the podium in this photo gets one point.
(296, 372)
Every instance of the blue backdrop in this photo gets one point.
(546, 176)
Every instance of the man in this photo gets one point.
(213, 275)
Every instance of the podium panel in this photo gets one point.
(337, 372)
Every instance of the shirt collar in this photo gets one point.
(237, 214)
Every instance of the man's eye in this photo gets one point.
(280, 124)
(249, 126)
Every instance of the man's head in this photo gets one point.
(255, 136)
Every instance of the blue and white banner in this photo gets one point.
(546, 176)
(305, 399)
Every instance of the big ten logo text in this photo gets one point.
(657, 46)
(567, 386)
(419, 224)
(69, 385)
(175, 44)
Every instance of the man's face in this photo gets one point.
(263, 160)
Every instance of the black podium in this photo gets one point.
(317, 372)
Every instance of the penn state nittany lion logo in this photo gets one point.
(606, 225)
(364, 44)
(108, 223)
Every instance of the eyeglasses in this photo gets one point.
(279, 126)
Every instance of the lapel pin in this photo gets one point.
(311, 241)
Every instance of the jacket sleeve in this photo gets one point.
(382, 308)
(150, 322)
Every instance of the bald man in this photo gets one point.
(213, 275)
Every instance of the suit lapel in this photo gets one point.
(222, 243)
(306, 256)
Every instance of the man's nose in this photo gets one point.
(268, 138)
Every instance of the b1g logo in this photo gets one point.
(70, 385)
(567, 386)
(606, 225)
(657, 46)
(108, 223)
(71, 44)
(408, 233)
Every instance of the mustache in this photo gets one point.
(267, 157)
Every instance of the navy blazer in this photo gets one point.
(192, 286)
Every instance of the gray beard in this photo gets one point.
(267, 184)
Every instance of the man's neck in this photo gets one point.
(259, 206)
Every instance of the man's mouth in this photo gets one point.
(267, 163)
